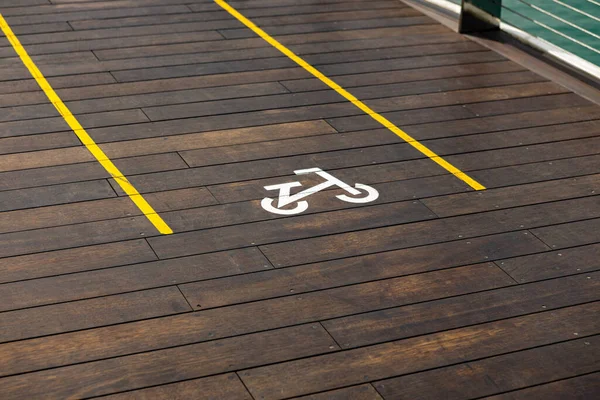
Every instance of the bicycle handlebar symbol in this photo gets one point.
(285, 197)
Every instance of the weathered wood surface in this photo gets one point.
(431, 291)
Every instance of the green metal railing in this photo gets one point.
(571, 25)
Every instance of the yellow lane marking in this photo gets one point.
(348, 96)
(81, 133)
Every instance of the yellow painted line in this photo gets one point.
(348, 96)
(81, 133)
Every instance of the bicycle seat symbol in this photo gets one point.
(285, 198)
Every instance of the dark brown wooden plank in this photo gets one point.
(383, 326)
(465, 126)
(142, 276)
(385, 360)
(409, 75)
(313, 277)
(182, 329)
(306, 50)
(513, 196)
(553, 264)
(540, 171)
(362, 392)
(153, 145)
(321, 97)
(194, 361)
(82, 15)
(87, 171)
(75, 260)
(111, 43)
(57, 194)
(497, 374)
(428, 232)
(27, 85)
(284, 167)
(512, 138)
(42, 142)
(57, 124)
(571, 234)
(143, 100)
(578, 388)
(268, 117)
(92, 91)
(196, 242)
(226, 386)
(96, 210)
(281, 62)
(332, 15)
(85, 314)
(243, 32)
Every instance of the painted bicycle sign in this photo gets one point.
(362, 193)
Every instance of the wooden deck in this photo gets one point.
(431, 291)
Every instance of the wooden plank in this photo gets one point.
(410, 75)
(289, 146)
(64, 237)
(75, 260)
(111, 43)
(156, 145)
(497, 374)
(214, 140)
(85, 314)
(546, 170)
(305, 49)
(284, 167)
(571, 234)
(157, 86)
(194, 361)
(87, 171)
(519, 105)
(281, 62)
(246, 318)
(528, 154)
(580, 387)
(226, 386)
(376, 176)
(477, 125)
(383, 326)
(305, 226)
(268, 117)
(20, 144)
(126, 32)
(58, 124)
(42, 28)
(513, 196)
(143, 100)
(513, 138)
(96, 210)
(553, 264)
(319, 276)
(321, 97)
(100, 14)
(58, 82)
(333, 15)
(435, 350)
(428, 232)
(103, 282)
(361, 392)
(87, 6)
(238, 33)
(57, 194)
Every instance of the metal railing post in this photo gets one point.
(479, 15)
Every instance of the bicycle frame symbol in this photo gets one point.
(285, 197)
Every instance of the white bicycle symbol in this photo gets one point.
(286, 198)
